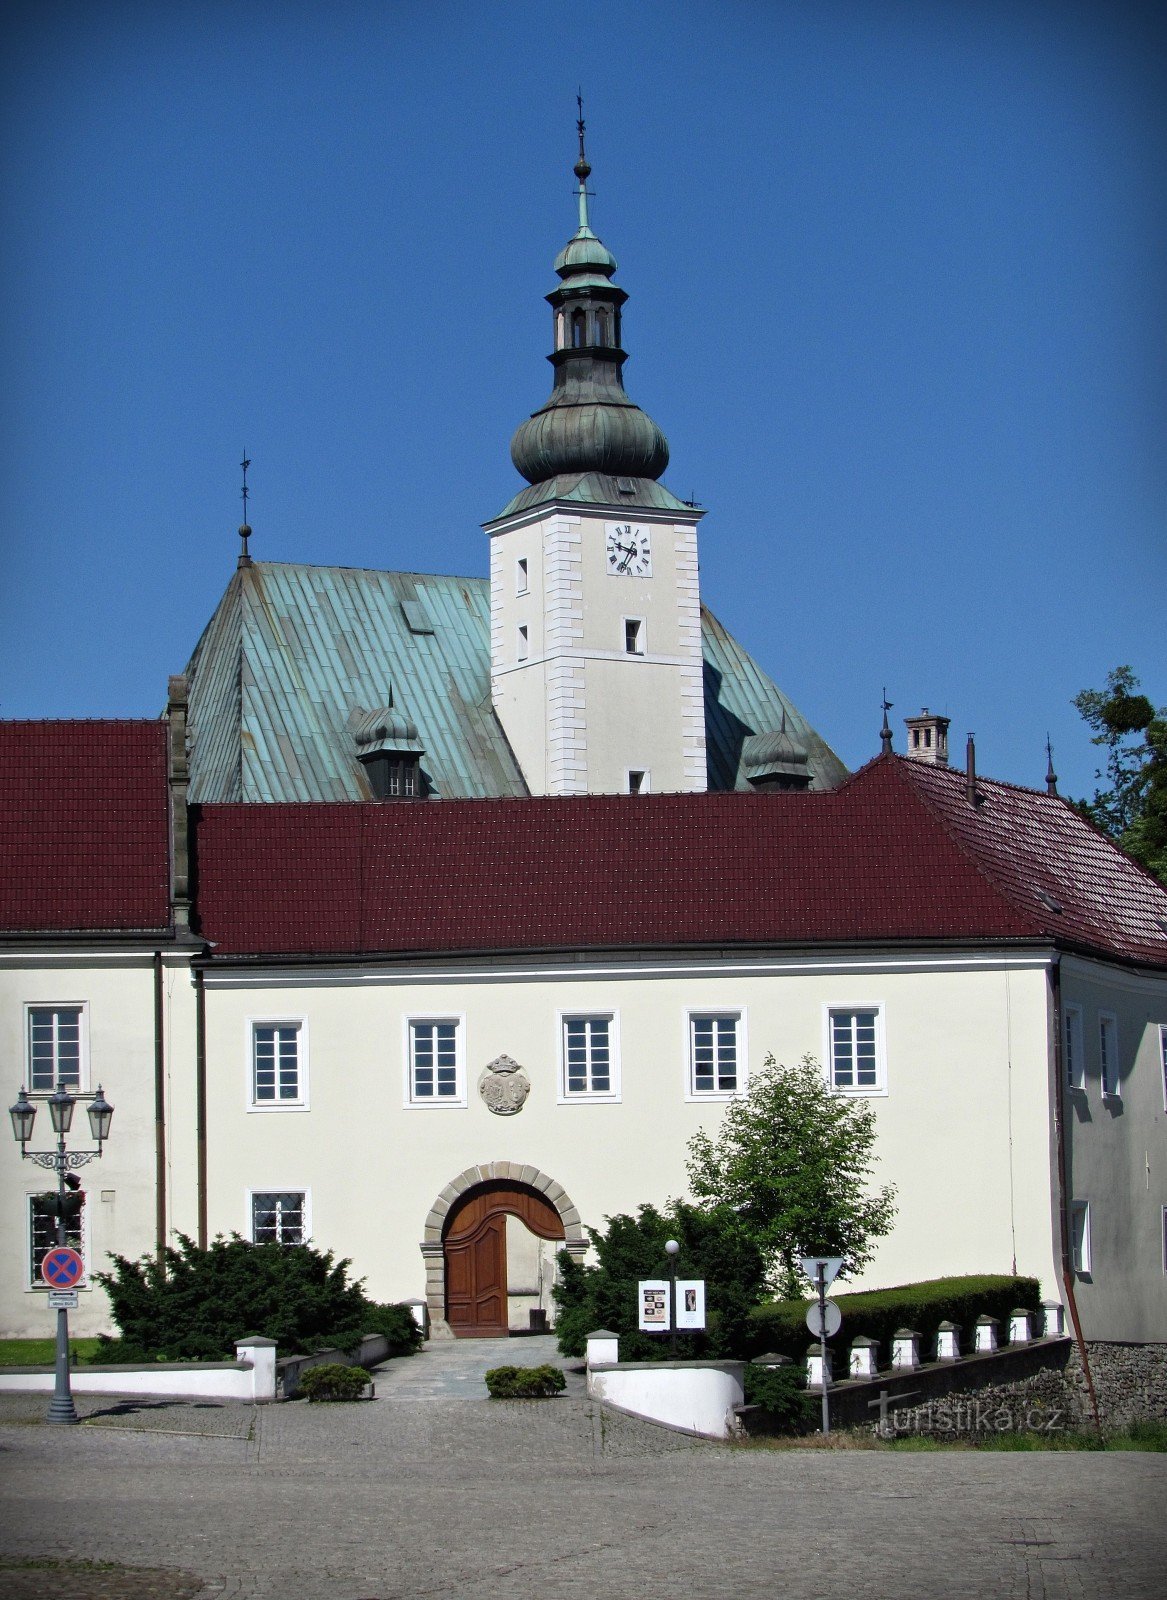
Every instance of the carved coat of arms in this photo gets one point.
(504, 1086)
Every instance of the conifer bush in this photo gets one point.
(333, 1381)
(525, 1383)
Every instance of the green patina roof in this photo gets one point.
(295, 656)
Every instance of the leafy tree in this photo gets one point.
(194, 1304)
(713, 1247)
(1133, 810)
(792, 1161)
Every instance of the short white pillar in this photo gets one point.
(603, 1348)
(948, 1341)
(985, 1336)
(815, 1357)
(905, 1350)
(863, 1353)
(1053, 1319)
(1019, 1331)
(260, 1355)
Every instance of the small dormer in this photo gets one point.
(928, 738)
(390, 751)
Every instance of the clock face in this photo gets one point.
(629, 550)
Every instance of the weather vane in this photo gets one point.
(244, 530)
(885, 731)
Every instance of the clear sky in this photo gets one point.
(897, 300)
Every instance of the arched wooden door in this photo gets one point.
(474, 1243)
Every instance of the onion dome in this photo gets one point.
(589, 433)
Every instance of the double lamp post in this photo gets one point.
(64, 1163)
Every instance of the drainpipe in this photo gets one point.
(159, 1115)
(201, 1103)
(1055, 983)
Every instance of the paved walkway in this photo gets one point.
(430, 1491)
(455, 1369)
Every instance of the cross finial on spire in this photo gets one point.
(582, 169)
(885, 731)
(244, 530)
(1051, 777)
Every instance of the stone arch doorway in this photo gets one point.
(469, 1290)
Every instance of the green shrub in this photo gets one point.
(525, 1383)
(334, 1382)
(780, 1325)
(195, 1304)
(713, 1247)
(781, 1393)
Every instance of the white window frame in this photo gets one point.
(1074, 1047)
(283, 1188)
(645, 781)
(1080, 1252)
(734, 1014)
(1108, 1078)
(878, 1090)
(34, 1283)
(81, 1006)
(641, 636)
(434, 1102)
(610, 1096)
(300, 1102)
(522, 643)
(522, 576)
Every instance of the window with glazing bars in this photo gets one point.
(434, 1060)
(854, 1053)
(42, 1235)
(54, 1048)
(713, 1054)
(277, 1218)
(276, 1062)
(587, 1055)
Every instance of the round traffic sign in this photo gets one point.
(62, 1267)
(834, 1319)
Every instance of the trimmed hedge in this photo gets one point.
(780, 1325)
(525, 1383)
(332, 1381)
(781, 1393)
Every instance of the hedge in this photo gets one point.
(780, 1325)
(332, 1381)
(525, 1383)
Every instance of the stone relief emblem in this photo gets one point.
(504, 1086)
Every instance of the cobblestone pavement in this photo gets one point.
(430, 1490)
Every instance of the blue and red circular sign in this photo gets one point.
(62, 1267)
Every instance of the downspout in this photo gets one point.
(1055, 983)
(201, 1103)
(159, 1115)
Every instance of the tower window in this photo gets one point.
(394, 776)
(637, 781)
(521, 583)
(602, 327)
(579, 329)
(523, 649)
(634, 636)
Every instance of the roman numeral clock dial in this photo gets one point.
(629, 551)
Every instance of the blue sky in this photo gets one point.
(897, 300)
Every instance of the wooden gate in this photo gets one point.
(476, 1254)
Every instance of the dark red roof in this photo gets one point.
(85, 827)
(891, 856)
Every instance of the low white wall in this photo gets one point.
(251, 1378)
(691, 1396)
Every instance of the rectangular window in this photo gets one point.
(56, 1037)
(435, 1062)
(522, 648)
(715, 1054)
(42, 1234)
(1080, 1236)
(279, 1218)
(521, 583)
(1074, 1049)
(1108, 1051)
(855, 1050)
(279, 1075)
(637, 781)
(634, 636)
(590, 1067)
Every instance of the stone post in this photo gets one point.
(1019, 1329)
(260, 1355)
(985, 1337)
(948, 1341)
(905, 1350)
(1053, 1319)
(815, 1357)
(863, 1363)
(603, 1348)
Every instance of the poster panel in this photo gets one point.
(653, 1296)
(691, 1304)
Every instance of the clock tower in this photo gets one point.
(596, 665)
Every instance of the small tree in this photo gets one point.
(1133, 810)
(793, 1160)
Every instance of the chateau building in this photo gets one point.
(437, 914)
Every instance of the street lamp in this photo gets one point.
(64, 1163)
(671, 1250)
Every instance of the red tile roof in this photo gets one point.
(84, 821)
(894, 855)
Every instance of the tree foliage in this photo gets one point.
(713, 1247)
(1133, 810)
(792, 1162)
(194, 1304)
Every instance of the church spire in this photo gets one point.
(582, 171)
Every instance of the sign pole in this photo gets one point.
(822, 1290)
(62, 1409)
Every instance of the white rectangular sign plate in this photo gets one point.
(62, 1299)
(691, 1304)
(653, 1296)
